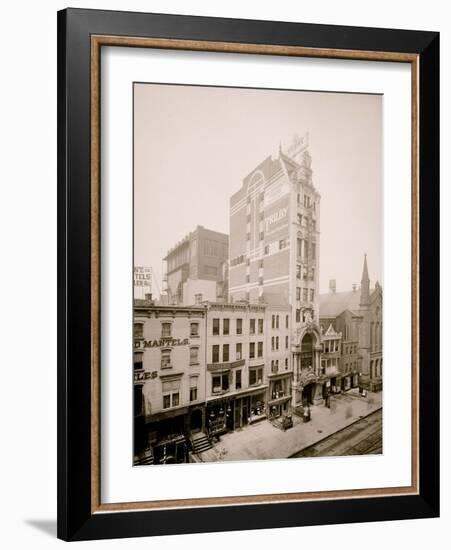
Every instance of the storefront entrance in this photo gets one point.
(196, 421)
(307, 394)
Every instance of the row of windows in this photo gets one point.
(253, 351)
(308, 203)
(165, 360)
(305, 249)
(331, 346)
(275, 321)
(275, 365)
(304, 272)
(304, 222)
(305, 294)
(275, 342)
(304, 314)
(348, 349)
(166, 330)
(220, 383)
(238, 326)
(274, 246)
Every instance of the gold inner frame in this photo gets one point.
(97, 41)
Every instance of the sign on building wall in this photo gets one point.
(142, 280)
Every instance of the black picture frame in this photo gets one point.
(76, 519)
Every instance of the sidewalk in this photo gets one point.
(262, 440)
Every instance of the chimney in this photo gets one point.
(332, 285)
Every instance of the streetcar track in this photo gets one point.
(341, 442)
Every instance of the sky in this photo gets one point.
(193, 145)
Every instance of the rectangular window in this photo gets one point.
(261, 235)
(194, 330)
(300, 219)
(220, 383)
(252, 326)
(137, 361)
(313, 250)
(238, 380)
(272, 342)
(287, 321)
(286, 342)
(215, 354)
(298, 271)
(197, 299)
(305, 294)
(165, 330)
(260, 326)
(260, 349)
(215, 327)
(273, 321)
(286, 363)
(277, 321)
(255, 376)
(277, 342)
(225, 353)
(298, 316)
(194, 356)
(193, 394)
(166, 359)
(282, 244)
(299, 248)
(239, 326)
(274, 367)
(166, 401)
(312, 294)
(248, 279)
(138, 329)
(298, 293)
(225, 326)
(239, 351)
(252, 350)
(248, 236)
(266, 249)
(175, 399)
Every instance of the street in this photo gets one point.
(361, 437)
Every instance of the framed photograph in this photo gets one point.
(248, 274)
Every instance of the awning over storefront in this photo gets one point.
(166, 414)
(239, 393)
(279, 400)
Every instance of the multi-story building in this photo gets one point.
(196, 268)
(357, 315)
(330, 359)
(236, 383)
(274, 251)
(279, 369)
(169, 378)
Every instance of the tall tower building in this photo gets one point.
(274, 253)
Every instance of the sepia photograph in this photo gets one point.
(258, 274)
